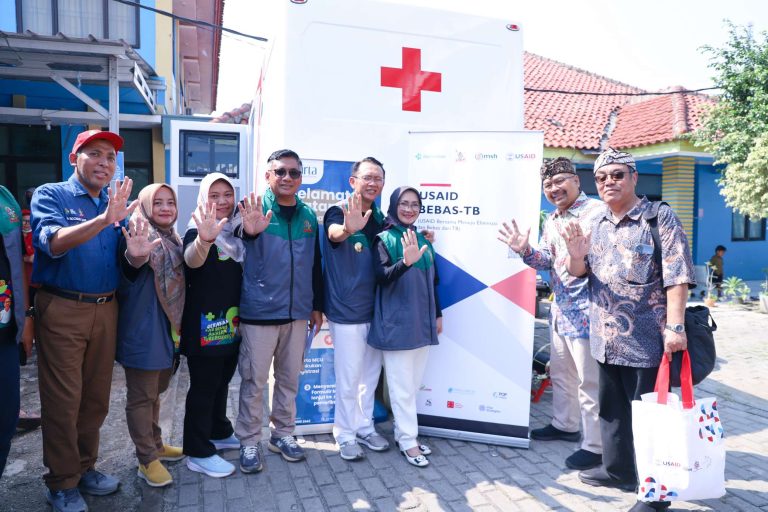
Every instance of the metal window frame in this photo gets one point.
(746, 237)
(183, 145)
(105, 20)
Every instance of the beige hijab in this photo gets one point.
(167, 259)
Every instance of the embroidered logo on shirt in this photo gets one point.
(12, 217)
(221, 255)
(77, 215)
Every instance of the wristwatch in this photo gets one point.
(675, 327)
(30, 312)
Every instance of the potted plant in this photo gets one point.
(734, 287)
(764, 292)
(710, 298)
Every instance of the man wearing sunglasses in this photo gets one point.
(573, 369)
(637, 309)
(281, 298)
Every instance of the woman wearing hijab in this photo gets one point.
(151, 298)
(210, 340)
(407, 316)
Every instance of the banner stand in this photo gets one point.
(477, 381)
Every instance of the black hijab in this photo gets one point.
(392, 218)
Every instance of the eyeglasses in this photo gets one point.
(409, 206)
(615, 176)
(293, 173)
(370, 179)
(549, 185)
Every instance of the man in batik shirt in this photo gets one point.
(573, 370)
(637, 307)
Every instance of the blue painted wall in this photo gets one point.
(147, 33)
(68, 136)
(744, 259)
(8, 15)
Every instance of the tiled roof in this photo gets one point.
(658, 119)
(570, 120)
(588, 122)
(238, 115)
(593, 122)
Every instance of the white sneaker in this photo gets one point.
(213, 466)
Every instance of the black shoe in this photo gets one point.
(584, 459)
(598, 477)
(550, 433)
(642, 506)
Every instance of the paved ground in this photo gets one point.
(463, 476)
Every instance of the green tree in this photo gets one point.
(735, 130)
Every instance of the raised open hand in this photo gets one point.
(354, 218)
(208, 228)
(511, 235)
(254, 220)
(118, 207)
(576, 240)
(411, 251)
(138, 245)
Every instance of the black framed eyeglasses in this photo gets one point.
(370, 179)
(293, 173)
(556, 182)
(615, 176)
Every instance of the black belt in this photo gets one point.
(91, 298)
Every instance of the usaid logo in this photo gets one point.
(312, 172)
(520, 156)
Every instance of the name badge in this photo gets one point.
(644, 249)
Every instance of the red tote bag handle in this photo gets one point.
(686, 381)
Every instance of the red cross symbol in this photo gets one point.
(411, 79)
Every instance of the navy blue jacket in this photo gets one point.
(143, 331)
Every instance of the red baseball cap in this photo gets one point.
(85, 137)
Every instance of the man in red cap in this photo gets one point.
(74, 234)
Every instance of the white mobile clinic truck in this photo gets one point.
(437, 96)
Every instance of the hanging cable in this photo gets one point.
(191, 21)
(587, 93)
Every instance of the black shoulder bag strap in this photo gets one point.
(651, 216)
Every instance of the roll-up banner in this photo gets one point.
(478, 379)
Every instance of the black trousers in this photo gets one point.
(205, 417)
(619, 385)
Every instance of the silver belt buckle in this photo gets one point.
(101, 300)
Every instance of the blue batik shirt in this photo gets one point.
(91, 267)
(570, 311)
(629, 302)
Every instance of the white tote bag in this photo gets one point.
(679, 445)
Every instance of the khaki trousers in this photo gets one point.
(575, 382)
(142, 410)
(262, 343)
(76, 353)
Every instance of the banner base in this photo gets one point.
(476, 437)
(313, 428)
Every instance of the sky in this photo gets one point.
(653, 44)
